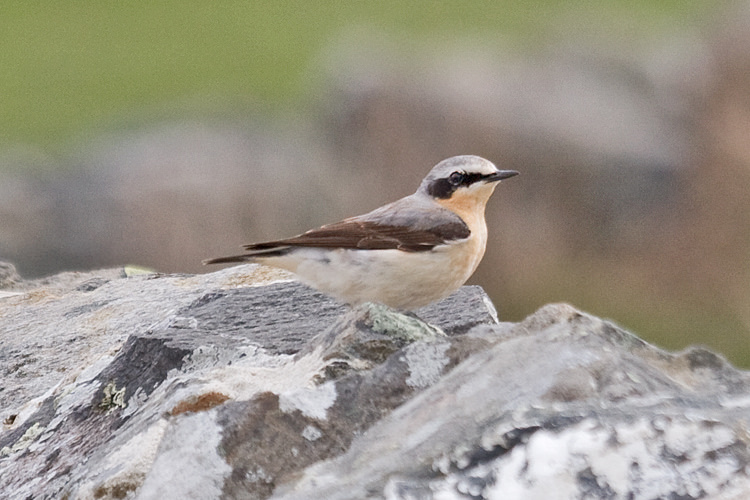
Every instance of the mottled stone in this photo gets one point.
(109, 378)
(245, 384)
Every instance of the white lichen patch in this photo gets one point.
(208, 357)
(188, 463)
(240, 376)
(311, 433)
(126, 467)
(426, 361)
(252, 374)
(140, 449)
(258, 475)
(311, 401)
(690, 459)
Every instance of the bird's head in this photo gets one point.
(463, 180)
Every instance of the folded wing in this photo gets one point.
(368, 235)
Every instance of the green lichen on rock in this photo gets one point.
(387, 321)
(24, 441)
(113, 397)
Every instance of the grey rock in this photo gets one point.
(246, 384)
(100, 363)
(567, 406)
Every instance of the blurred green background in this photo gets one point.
(93, 96)
(71, 67)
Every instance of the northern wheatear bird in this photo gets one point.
(405, 254)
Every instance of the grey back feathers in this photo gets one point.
(411, 224)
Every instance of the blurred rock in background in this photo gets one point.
(165, 197)
(632, 200)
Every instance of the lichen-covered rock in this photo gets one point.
(110, 380)
(244, 384)
(563, 405)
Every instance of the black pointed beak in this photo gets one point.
(499, 175)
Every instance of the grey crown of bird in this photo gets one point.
(406, 254)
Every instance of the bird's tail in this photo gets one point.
(251, 256)
(226, 260)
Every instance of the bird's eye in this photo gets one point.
(456, 178)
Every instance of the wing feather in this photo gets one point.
(368, 235)
(411, 224)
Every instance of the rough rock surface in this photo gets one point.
(245, 384)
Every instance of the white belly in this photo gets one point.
(403, 280)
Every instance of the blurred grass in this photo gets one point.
(69, 67)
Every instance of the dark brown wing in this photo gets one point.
(362, 234)
(410, 224)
